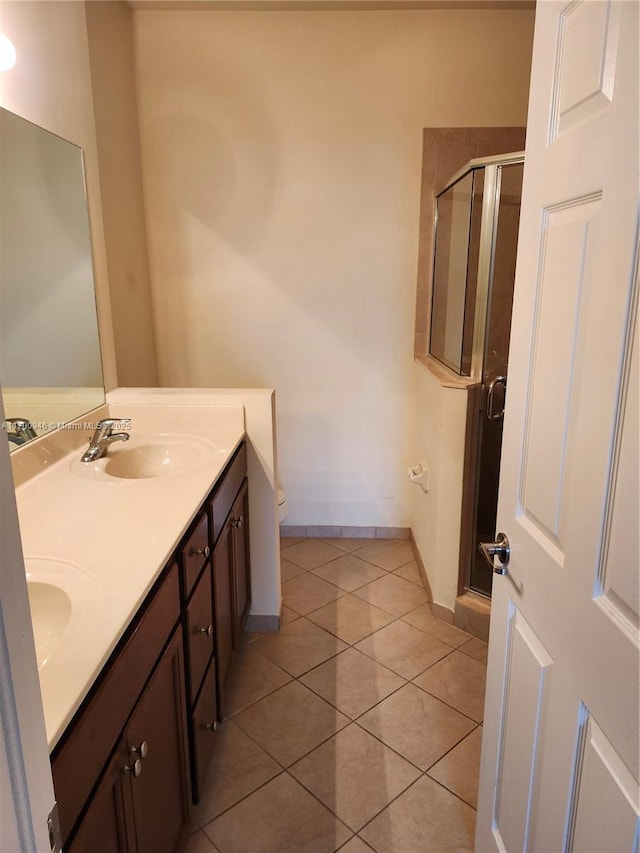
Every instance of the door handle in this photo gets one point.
(500, 549)
(495, 416)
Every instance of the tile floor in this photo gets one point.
(357, 727)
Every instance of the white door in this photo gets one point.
(26, 786)
(561, 744)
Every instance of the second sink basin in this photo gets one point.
(50, 614)
(61, 595)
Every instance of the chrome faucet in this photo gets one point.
(22, 430)
(103, 437)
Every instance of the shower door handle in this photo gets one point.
(500, 549)
(495, 416)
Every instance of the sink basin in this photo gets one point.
(149, 456)
(152, 460)
(62, 597)
(50, 614)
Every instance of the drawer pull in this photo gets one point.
(135, 769)
(208, 630)
(203, 552)
(211, 727)
(140, 751)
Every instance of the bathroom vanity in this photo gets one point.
(137, 749)
(148, 549)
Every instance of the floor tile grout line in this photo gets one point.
(397, 797)
(241, 799)
(402, 618)
(324, 805)
(355, 649)
(354, 552)
(390, 803)
(338, 599)
(444, 701)
(315, 665)
(450, 790)
(320, 743)
(350, 591)
(342, 820)
(386, 666)
(442, 785)
(444, 754)
(353, 719)
(388, 746)
(231, 715)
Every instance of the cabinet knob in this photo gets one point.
(203, 552)
(140, 751)
(135, 769)
(208, 630)
(237, 522)
(212, 727)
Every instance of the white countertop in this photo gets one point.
(119, 533)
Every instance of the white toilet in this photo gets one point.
(283, 508)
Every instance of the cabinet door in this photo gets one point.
(107, 826)
(200, 632)
(203, 730)
(241, 568)
(156, 735)
(222, 569)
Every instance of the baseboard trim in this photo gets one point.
(335, 531)
(259, 623)
(443, 613)
(422, 569)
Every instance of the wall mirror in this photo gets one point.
(50, 364)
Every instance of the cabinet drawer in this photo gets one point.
(226, 494)
(93, 735)
(200, 632)
(194, 553)
(203, 725)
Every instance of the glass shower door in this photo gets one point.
(494, 373)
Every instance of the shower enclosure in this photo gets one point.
(477, 218)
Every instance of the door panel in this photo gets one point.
(618, 588)
(563, 246)
(159, 793)
(603, 812)
(528, 670)
(566, 499)
(107, 826)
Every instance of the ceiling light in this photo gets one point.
(7, 53)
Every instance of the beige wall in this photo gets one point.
(281, 161)
(110, 35)
(50, 85)
(441, 415)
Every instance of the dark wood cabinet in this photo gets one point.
(240, 567)
(156, 736)
(200, 632)
(108, 826)
(222, 573)
(141, 801)
(139, 747)
(202, 728)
